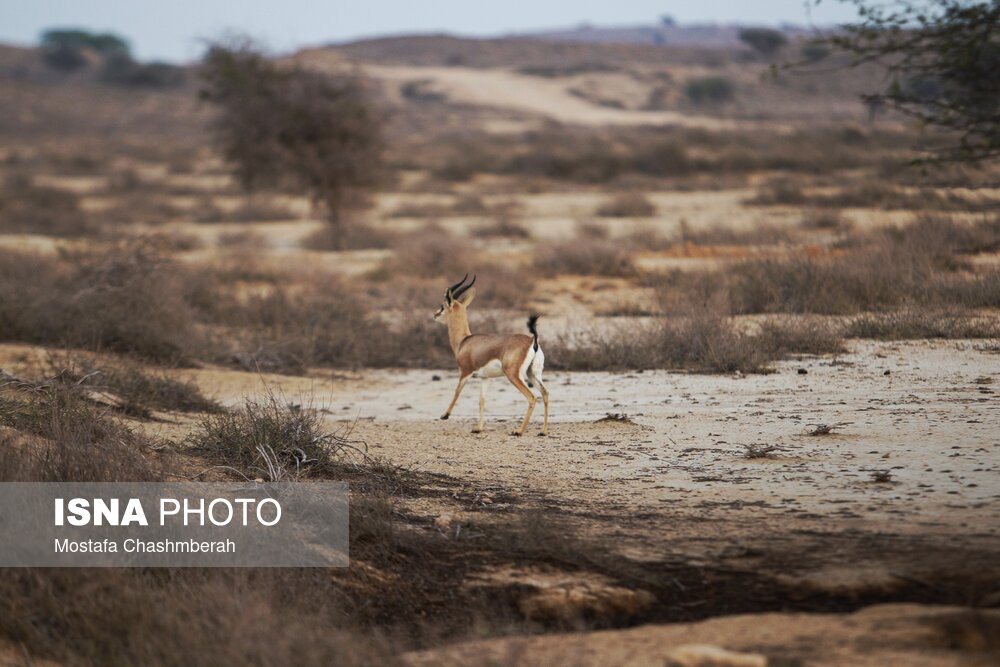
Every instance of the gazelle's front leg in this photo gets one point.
(458, 392)
(482, 407)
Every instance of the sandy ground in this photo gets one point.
(924, 411)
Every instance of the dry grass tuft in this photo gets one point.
(269, 439)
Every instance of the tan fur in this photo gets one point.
(474, 351)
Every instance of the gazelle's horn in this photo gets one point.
(456, 285)
(462, 291)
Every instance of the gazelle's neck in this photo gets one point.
(458, 330)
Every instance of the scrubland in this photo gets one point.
(709, 294)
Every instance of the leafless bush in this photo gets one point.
(702, 340)
(128, 300)
(269, 438)
(627, 205)
(781, 336)
(825, 219)
(258, 209)
(909, 324)
(779, 191)
(504, 226)
(288, 332)
(356, 236)
(430, 252)
(870, 194)
(80, 442)
(135, 389)
(585, 256)
(758, 235)
(920, 264)
(26, 208)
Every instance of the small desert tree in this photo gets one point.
(285, 126)
(64, 48)
(764, 41)
(943, 58)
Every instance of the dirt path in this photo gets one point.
(535, 95)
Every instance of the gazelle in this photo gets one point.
(516, 356)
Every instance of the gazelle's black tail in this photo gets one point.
(533, 328)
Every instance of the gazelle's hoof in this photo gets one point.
(516, 434)
(543, 434)
(477, 430)
(444, 416)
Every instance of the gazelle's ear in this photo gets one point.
(469, 295)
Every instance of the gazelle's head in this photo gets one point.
(456, 299)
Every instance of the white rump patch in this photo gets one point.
(535, 360)
(537, 365)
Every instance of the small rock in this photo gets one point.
(887, 373)
(706, 655)
(435, 378)
(803, 371)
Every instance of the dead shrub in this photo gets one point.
(80, 442)
(430, 253)
(585, 257)
(26, 208)
(269, 438)
(869, 194)
(911, 324)
(758, 235)
(784, 336)
(701, 340)
(504, 226)
(433, 254)
(257, 209)
(779, 191)
(627, 205)
(824, 219)
(288, 332)
(917, 264)
(127, 300)
(136, 389)
(355, 236)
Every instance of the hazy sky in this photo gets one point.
(173, 29)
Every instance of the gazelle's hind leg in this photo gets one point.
(545, 401)
(458, 392)
(535, 369)
(482, 407)
(523, 388)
